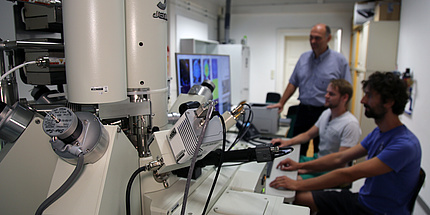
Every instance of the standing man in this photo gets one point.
(337, 128)
(312, 74)
(391, 169)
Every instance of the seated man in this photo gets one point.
(391, 169)
(338, 129)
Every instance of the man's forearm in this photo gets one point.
(334, 160)
(325, 163)
(289, 91)
(299, 139)
(328, 180)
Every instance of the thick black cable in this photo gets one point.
(221, 160)
(243, 131)
(128, 191)
(64, 187)
(282, 151)
(193, 161)
(240, 133)
(248, 121)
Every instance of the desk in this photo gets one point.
(250, 175)
(287, 194)
(238, 190)
(282, 132)
(238, 203)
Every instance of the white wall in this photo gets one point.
(261, 29)
(195, 20)
(413, 53)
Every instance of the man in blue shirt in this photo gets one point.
(312, 74)
(391, 169)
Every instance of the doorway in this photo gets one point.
(292, 43)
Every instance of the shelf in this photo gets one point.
(198, 46)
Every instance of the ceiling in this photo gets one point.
(285, 2)
(287, 6)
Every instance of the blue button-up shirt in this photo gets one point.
(312, 75)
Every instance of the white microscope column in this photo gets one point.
(95, 51)
(146, 30)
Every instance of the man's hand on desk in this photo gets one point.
(291, 165)
(288, 165)
(280, 142)
(284, 182)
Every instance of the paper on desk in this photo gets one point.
(277, 172)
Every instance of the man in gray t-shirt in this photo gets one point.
(337, 127)
(337, 134)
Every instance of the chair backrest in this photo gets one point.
(292, 113)
(417, 190)
(273, 97)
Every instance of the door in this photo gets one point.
(296, 42)
(294, 47)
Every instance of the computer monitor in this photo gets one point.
(192, 69)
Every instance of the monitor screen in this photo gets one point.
(192, 69)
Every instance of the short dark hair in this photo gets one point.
(390, 87)
(327, 31)
(343, 86)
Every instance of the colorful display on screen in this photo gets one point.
(192, 69)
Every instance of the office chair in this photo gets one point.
(272, 97)
(417, 190)
(292, 113)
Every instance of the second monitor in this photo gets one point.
(192, 69)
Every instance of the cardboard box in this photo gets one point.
(387, 10)
(363, 12)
